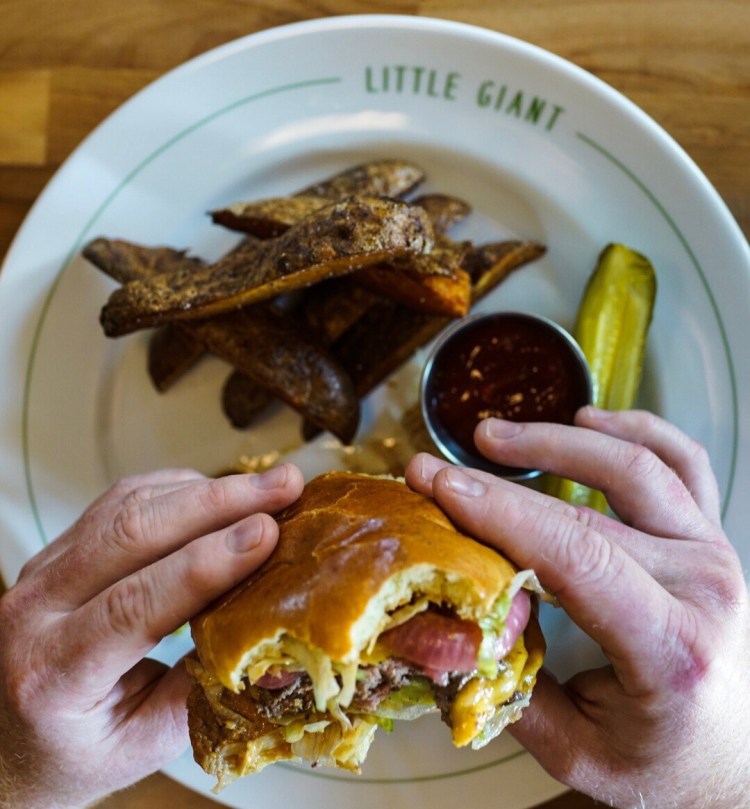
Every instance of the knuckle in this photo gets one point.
(28, 568)
(122, 487)
(17, 607)
(128, 607)
(215, 495)
(585, 556)
(698, 454)
(21, 661)
(720, 587)
(641, 463)
(142, 487)
(20, 691)
(137, 496)
(647, 422)
(685, 648)
(126, 530)
(698, 625)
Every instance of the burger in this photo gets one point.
(372, 608)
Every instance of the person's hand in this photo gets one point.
(667, 724)
(83, 712)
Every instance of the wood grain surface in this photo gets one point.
(65, 66)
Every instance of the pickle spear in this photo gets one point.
(611, 327)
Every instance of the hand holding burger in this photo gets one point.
(667, 724)
(83, 711)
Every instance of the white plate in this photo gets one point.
(540, 149)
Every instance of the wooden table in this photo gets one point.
(65, 66)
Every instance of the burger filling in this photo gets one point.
(427, 658)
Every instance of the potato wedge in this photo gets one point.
(267, 218)
(272, 216)
(334, 306)
(434, 282)
(243, 399)
(382, 340)
(126, 261)
(279, 355)
(172, 352)
(264, 333)
(490, 263)
(377, 178)
(444, 210)
(335, 240)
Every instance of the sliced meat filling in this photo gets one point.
(445, 695)
(374, 684)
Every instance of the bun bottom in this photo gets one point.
(230, 742)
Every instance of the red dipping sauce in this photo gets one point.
(506, 365)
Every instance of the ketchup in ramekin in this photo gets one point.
(508, 365)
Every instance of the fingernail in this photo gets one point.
(272, 478)
(463, 484)
(592, 412)
(245, 536)
(429, 466)
(502, 428)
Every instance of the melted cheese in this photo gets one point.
(477, 701)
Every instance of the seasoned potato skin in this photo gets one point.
(444, 210)
(172, 351)
(267, 218)
(276, 353)
(383, 178)
(335, 240)
(243, 399)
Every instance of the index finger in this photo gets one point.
(604, 590)
(148, 525)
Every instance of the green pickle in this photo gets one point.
(611, 327)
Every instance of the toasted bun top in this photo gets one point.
(351, 549)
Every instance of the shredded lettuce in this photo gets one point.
(348, 673)
(295, 730)
(408, 702)
(492, 626)
(334, 746)
(386, 724)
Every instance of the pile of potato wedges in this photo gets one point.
(326, 294)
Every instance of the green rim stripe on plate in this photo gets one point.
(712, 301)
(300, 85)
